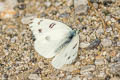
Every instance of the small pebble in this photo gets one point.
(13, 40)
(84, 44)
(43, 14)
(81, 6)
(115, 68)
(20, 1)
(95, 5)
(109, 29)
(99, 61)
(107, 77)
(106, 42)
(107, 3)
(64, 15)
(38, 71)
(94, 43)
(115, 78)
(5, 76)
(94, 1)
(99, 31)
(102, 74)
(118, 21)
(61, 75)
(82, 37)
(76, 78)
(28, 19)
(34, 77)
(48, 3)
(115, 59)
(57, 3)
(87, 68)
(118, 43)
(2, 6)
(22, 6)
(77, 63)
(68, 77)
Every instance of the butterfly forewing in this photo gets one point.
(49, 36)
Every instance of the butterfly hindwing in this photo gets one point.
(49, 36)
(68, 54)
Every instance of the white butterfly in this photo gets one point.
(54, 38)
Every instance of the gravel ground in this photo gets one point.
(99, 51)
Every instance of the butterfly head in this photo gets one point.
(77, 31)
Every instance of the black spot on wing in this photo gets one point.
(40, 30)
(40, 22)
(33, 37)
(69, 57)
(52, 25)
(73, 54)
(74, 46)
(47, 38)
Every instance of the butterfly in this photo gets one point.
(55, 39)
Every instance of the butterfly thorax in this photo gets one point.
(72, 34)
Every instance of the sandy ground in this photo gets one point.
(99, 25)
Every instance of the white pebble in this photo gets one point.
(2, 8)
(34, 77)
(76, 78)
(81, 6)
(99, 61)
(48, 3)
(84, 44)
(106, 42)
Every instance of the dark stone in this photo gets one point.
(84, 28)
(54, 12)
(107, 3)
(20, 1)
(43, 14)
(94, 1)
(38, 71)
(64, 15)
(33, 60)
(22, 6)
(94, 43)
(8, 45)
(118, 21)
(72, 6)
(108, 58)
(116, 38)
(107, 77)
(5, 75)
(0, 19)
(1, 64)
(106, 12)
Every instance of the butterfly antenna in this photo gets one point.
(73, 12)
(74, 15)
